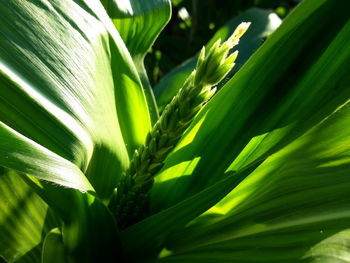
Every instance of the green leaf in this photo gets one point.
(293, 208)
(295, 80)
(92, 236)
(53, 249)
(264, 22)
(139, 24)
(89, 230)
(136, 239)
(24, 219)
(29, 157)
(69, 83)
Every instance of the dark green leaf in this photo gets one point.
(53, 248)
(89, 230)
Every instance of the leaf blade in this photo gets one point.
(139, 24)
(258, 112)
(29, 157)
(24, 219)
(65, 83)
(296, 201)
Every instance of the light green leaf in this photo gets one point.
(295, 80)
(293, 208)
(139, 24)
(29, 157)
(264, 22)
(68, 83)
(24, 219)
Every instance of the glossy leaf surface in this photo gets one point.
(71, 89)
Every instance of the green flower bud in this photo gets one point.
(153, 146)
(232, 58)
(212, 68)
(163, 140)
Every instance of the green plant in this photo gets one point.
(131, 201)
(260, 175)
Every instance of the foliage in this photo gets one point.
(260, 175)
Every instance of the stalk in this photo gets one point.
(130, 203)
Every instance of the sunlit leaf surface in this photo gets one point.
(69, 84)
(293, 208)
(276, 100)
(139, 23)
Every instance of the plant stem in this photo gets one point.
(131, 201)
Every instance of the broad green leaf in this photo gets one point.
(295, 80)
(24, 219)
(68, 82)
(139, 24)
(53, 249)
(26, 156)
(293, 208)
(158, 227)
(264, 22)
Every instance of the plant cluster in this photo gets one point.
(215, 163)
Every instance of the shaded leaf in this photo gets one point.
(89, 230)
(53, 248)
(24, 219)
